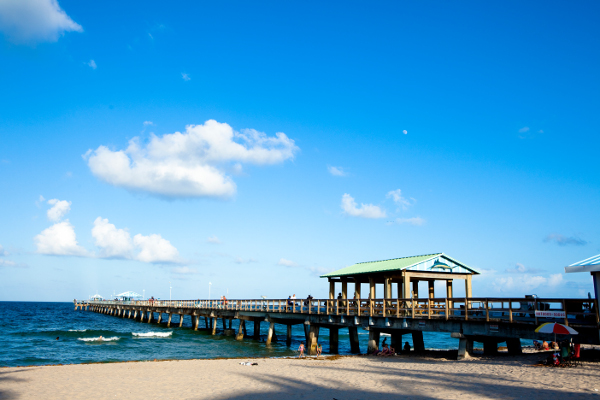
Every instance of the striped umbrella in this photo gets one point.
(553, 327)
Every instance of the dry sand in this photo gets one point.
(343, 378)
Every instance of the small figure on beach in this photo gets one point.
(301, 350)
(319, 350)
(545, 346)
(100, 338)
(406, 347)
(537, 345)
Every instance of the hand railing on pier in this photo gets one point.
(513, 310)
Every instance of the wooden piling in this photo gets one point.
(313, 339)
(288, 337)
(418, 343)
(240, 333)
(334, 335)
(373, 345)
(270, 332)
(180, 320)
(354, 344)
(214, 326)
(169, 320)
(256, 329)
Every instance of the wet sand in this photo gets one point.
(342, 378)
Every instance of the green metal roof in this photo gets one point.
(398, 264)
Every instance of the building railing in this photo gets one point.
(522, 310)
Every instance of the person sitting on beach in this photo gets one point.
(555, 346)
(301, 350)
(406, 347)
(545, 346)
(537, 345)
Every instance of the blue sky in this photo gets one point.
(257, 145)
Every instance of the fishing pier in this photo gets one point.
(469, 319)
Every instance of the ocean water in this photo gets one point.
(29, 332)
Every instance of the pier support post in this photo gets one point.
(334, 336)
(306, 332)
(159, 318)
(244, 328)
(354, 345)
(224, 322)
(465, 348)
(288, 337)
(150, 316)
(514, 346)
(270, 333)
(169, 320)
(256, 330)
(490, 347)
(373, 341)
(206, 324)
(194, 322)
(397, 341)
(141, 316)
(240, 334)
(180, 320)
(214, 326)
(417, 337)
(313, 339)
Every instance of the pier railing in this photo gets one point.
(522, 310)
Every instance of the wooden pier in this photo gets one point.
(487, 320)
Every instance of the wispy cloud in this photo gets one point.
(336, 171)
(565, 240)
(92, 64)
(185, 76)
(521, 269)
(184, 270)
(35, 21)
(59, 209)
(213, 239)
(350, 207)
(527, 283)
(146, 123)
(240, 260)
(415, 221)
(400, 201)
(524, 129)
(286, 263)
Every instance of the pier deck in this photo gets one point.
(487, 320)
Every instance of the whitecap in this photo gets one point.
(77, 330)
(100, 339)
(152, 334)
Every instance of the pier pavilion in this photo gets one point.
(406, 273)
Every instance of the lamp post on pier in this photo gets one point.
(209, 283)
(170, 291)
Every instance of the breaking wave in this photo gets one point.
(152, 334)
(100, 339)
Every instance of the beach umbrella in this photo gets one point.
(553, 327)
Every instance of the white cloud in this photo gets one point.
(400, 201)
(189, 164)
(185, 76)
(184, 270)
(59, 209)
(113, 242)
(155, 249)
(405, 131)
(34, 21)
(286, 263)
(240, 260)
(524, 129)
(59, 240)
(92, 64)
(415, 221)
(336, 171)
(213, 239)
(350, 207)
(7, 263)
(146, 123)
(527, 283)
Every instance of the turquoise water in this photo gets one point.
(28, 333)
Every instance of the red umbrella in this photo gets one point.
(553, 327)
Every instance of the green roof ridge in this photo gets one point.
(399, 258)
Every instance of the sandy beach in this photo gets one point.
(342, 378)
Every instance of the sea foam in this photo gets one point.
(152, 334)
(100, 339)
